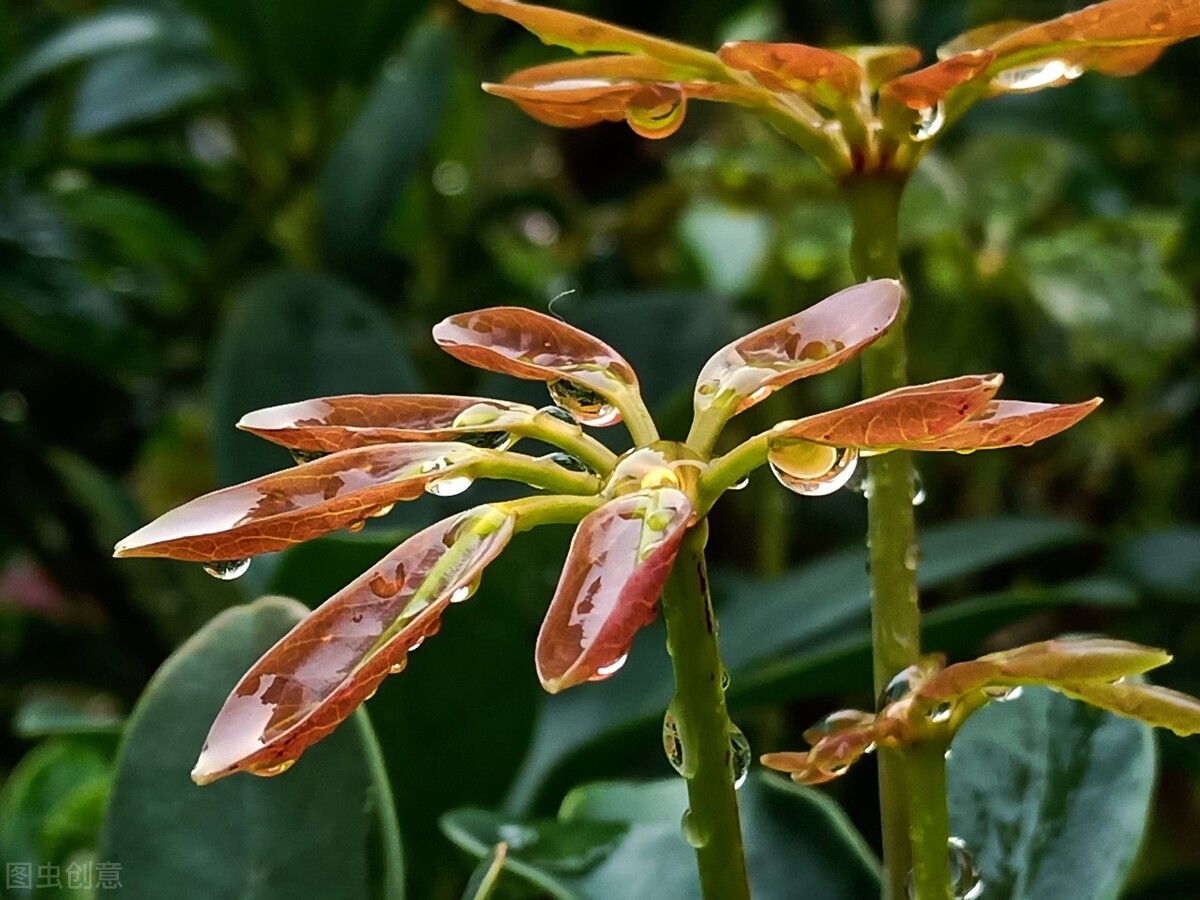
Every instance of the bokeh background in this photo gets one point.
(211, 206)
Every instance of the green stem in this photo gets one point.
(874, 203)
(713, 826)
(930, 820)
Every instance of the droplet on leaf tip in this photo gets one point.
(227, 569)
(584, 405)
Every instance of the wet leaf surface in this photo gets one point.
(829, 77)
(619, 560)
(1147, 703)
(320, 671)
(1008, 423)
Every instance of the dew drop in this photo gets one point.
(1004, 693)
(725, 679)
(585, 406)
(227, 569)
(930, 120)
(658, 121)
(464, 591)
(567, 461)
(1035, 77)
(381, 511)
(475, 415)
(397, 668)
(609, 670)
(274, 769)
(965, 882)
(740, 484)
(696, 836)
(416, 645)
(356, 526)
(559, 413)
(488, 440)
(812, 470)
(450, 486)
(918, 489)
(941, 713)
(672, 744)
(898, 687)
(740, 748)
(306, 456)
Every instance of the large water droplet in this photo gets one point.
(1037, 76)
(266, 771)
(306, 456)
(740, 484)
(898, 687)
(739, 747)
(227, 569)
(696, 836)
(812, 470)
(658, 121)
(488, 440)
(567, 461)
(1003, 693)
(559, 413)
(450, 486)
(398, 667)
(930, 120)
(461, 593)
(608, 671)
(381, 511)
(672, 744)
(586, 406)
(965, 881)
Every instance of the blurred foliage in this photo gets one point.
(212, 205)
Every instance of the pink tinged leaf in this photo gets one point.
(331, 424)
(905, 417)
(325, 667)
(1157, 706)
(618, 563)
(816, 340)
(1078, 659)
(270, 513)
(1007, 423)
(653, 110)
(527, 344)
(826, 76)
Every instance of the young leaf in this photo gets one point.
(904, 417)
(1006, 423)
(882, 63)
(330, 424)
(527, 344)
(816, 340)
(321, 670)
(299, 504)
(652, 109)
(825, 76)
(583, 34)
(1079, 659)
(1157, 706)
(935, 87)
(619, 560)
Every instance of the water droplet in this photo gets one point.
(227, 569)
(450, 486)
(488, 440)
(696, 836)
(941, 713)
(609, 670)
(740, 748)
(812, 470)
(898, 687)
(266, 771)
(381, 511)
(356, 526)
(861, 482)
(658, 121)
(965, 882)
(397, 668)
(586, 406)
(912, 557)
(567, 461)
(465, 591)
(869, 749)
(740, 484)
(306, 456)
(1003, 693)
(930, 120)
(918, 489)
(1035, 77)
(559, 413)
(416, 645)
(946, 756)
(672, 745)
(725, 679)
(759, 395)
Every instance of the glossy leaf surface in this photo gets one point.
(1007, 423)
(528, 344)
(826, 76)
(330, 424)
(619, 560)
(653, 109)
(816, 340)
(320, 671)
(904, 417)
(298, 504)
(883, 62)
(927, 87)
(1153, 705)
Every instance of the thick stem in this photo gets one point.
(895, 616)
(929, 816)
(712, 826)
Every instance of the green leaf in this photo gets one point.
(1164, 562)
(290, 336)
(1051, 797)
(1012, 178)
(624, 840)
(311, 832)
(385, 147)
(731, 246)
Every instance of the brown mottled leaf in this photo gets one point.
(901, 418)
(883, 62)
(1006, 423)
(829, 77)
(618, 563)
(1157, 706)
(816, 340)
(584, 34)
(527, 344)
(320, 671)
(330, 424)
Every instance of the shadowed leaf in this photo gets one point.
(330, 424)
(816, 340)
(581, 33)
(527, 344)
(1006, 423)
(900, 418)
(829, 77)
(270, 513)
(1157, 706)
(619, 560)
(321, 670)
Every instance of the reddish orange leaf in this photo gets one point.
(319, 673)
(958, 679)
(901, 418)
(1006, 423)
(816, 340)
(823, 75)
(927, 87)
(330, 424)
(270, 513)
(618, 563)
(652, 109)
(583, 34)
(527, 344)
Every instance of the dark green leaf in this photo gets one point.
(1166, 562)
